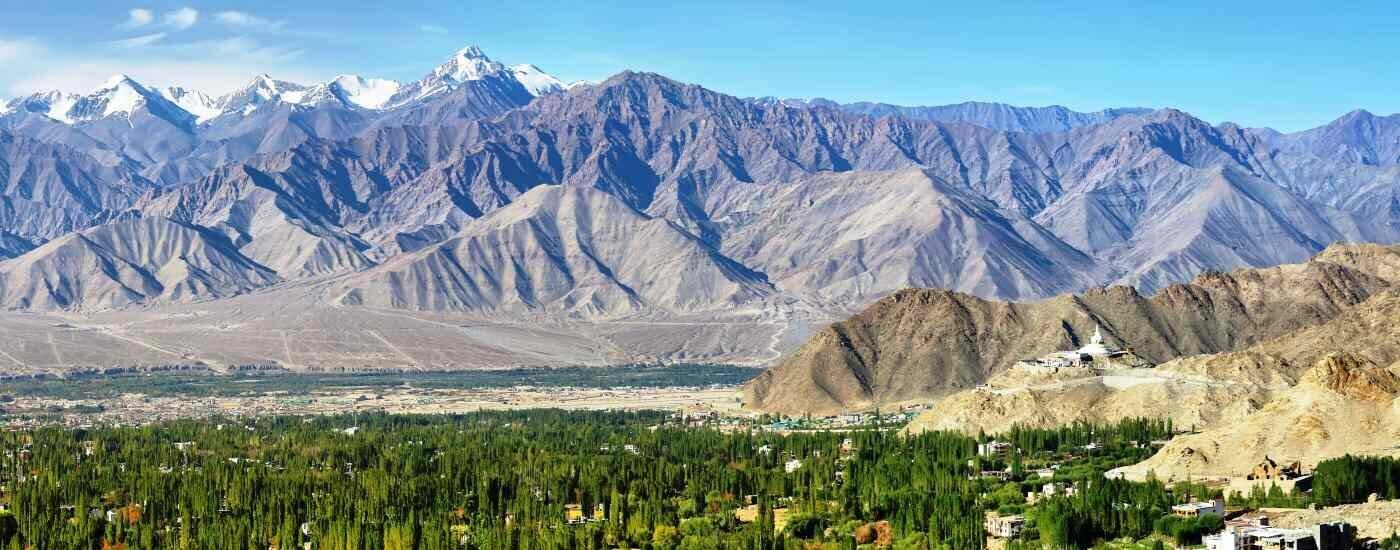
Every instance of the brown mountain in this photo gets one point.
(1199, 391)
(920, 344)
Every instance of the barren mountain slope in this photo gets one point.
(48, 189)
(838, 237)
(123, 263)
(1343, 404)
(569, 250)
(919, 344)
(1014, 398)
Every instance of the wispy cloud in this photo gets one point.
(248, 21)
(180, 19)
(434, 29)
(238, 47)
(137, 18)
(150, 46)
(137, 41)
(12, 50)
(213, 66)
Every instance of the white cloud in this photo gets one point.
(137, 41)
(211, 66)
(238, 47)
(180, 19)
(435, 29)
(248, 21)
(14, 50)
(138, 17)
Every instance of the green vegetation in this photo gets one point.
(516, 479)
(556, 479)
(1344, 480)
(1351, 479)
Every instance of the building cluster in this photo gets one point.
(1258, 534)
(849, 420)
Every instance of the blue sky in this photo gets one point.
(1286, 65)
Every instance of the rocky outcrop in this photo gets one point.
(1344, 404)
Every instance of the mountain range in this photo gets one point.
(495, 190)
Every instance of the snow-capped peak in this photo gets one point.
(53, 104)
(469, 63)
(117, 80)
(194, 102)
(263, 89)
(266, 88)
(369, 93)
(118, 95)
(535, 80)
(122, 94)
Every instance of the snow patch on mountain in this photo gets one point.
(535, 80)
(369, 93)
(120, 95)
(194, 102)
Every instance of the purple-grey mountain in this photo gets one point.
(659, 197)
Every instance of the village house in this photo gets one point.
(573, 514)
(1052, 489)
(993, 448)
(1004, 527)
(1200, 508)
(1001, 475)
(1258, 534)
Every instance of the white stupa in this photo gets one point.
(1095, 347)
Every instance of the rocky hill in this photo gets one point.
(1196, 392)
(920, 344)
(1344, 404)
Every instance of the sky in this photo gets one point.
(1286, 65)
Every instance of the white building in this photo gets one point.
(1082, 357)
(1200, 508)
(1257, 534)
(993, 449)
(1004, 527)
(1264, 538)
(1096, 347)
